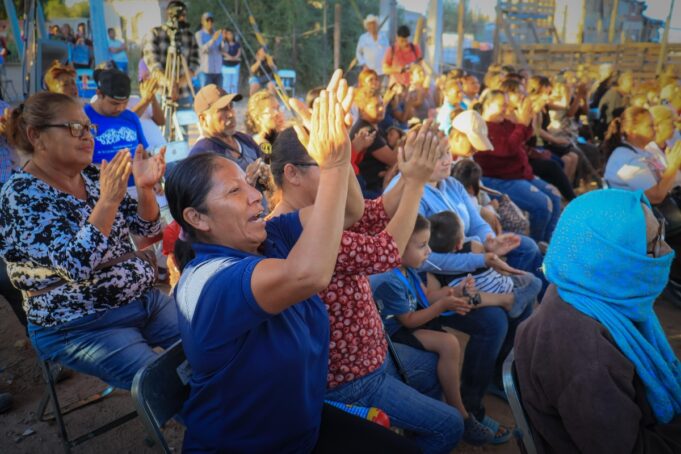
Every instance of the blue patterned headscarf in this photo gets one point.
(597, 260)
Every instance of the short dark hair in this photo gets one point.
(469, 173)
(421, 224)
(188, 184)
(286, 149)
(445, 231)
(403, 31)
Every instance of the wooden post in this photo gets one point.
(613, 22)
(563, 32)
(337, 36)
(418, 33)
(581, 31)
(661, 59)
(459, 31)
(325, 30)
(496, 41)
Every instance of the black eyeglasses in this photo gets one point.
(76, 129)
(305, 164)
(659, 238)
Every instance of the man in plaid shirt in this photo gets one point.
(157, 41)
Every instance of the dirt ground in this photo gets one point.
(20, 375)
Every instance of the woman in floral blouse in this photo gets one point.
(65, 234)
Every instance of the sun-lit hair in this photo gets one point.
(55, 72)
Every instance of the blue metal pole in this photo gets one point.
(14, 22)
(99, 36)
(41, 21)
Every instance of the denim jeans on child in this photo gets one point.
(112, 344)
(537, 197)
(435, 426)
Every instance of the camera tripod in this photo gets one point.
(176, 68)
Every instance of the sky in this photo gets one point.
(657, 9)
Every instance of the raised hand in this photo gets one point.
(343, 94)
(674, 157)
(113, 177)
(419, 156)
(502, 244)
(328, 142)
(149, 87)
(148, 170)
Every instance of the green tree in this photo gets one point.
(473, 23)
(293, 30)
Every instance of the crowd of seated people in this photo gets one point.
(344, 238)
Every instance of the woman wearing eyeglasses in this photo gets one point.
(595, 369)
(65, 234)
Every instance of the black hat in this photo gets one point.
(113, 83)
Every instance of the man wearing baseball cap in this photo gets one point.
(117, 127)
(371, 46)
(217, 120)
(210, 57)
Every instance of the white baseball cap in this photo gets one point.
(473, 125)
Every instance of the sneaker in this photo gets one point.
(5, 402)
(475, 433)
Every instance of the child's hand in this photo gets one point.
(458, 305)
(477, 247)
(444, 292)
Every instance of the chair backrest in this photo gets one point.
(288, 78)
(160, 389)
(524, 429)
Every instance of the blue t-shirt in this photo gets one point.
(114, 134)
(258, 380)
(394, 297)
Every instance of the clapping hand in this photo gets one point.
(363, 139)
(493, 261)
(148, 170)
(502, 244)
(419, 156)
(674, 157)
(113, 177)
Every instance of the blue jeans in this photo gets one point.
(527, 257)
(206, 78)
(435, 426)
(487, 328)
(537, 197)
(112, 344)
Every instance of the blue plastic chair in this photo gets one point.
(523, 432)
(288, 78)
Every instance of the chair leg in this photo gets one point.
(52, 395)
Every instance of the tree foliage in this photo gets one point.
(293, 30)
(474, 23)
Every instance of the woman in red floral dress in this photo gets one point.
(359, 370)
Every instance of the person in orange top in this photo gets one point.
(400, 56)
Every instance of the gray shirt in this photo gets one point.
(210, 58)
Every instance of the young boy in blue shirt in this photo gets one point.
(410, 317)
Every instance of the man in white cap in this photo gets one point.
(372, 46)
(210, 55)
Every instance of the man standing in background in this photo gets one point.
(371, 46)
(210, 55)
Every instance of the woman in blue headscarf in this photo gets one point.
(596, 371)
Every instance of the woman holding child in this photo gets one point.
(488, 327)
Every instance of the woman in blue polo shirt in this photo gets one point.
(254, 331)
